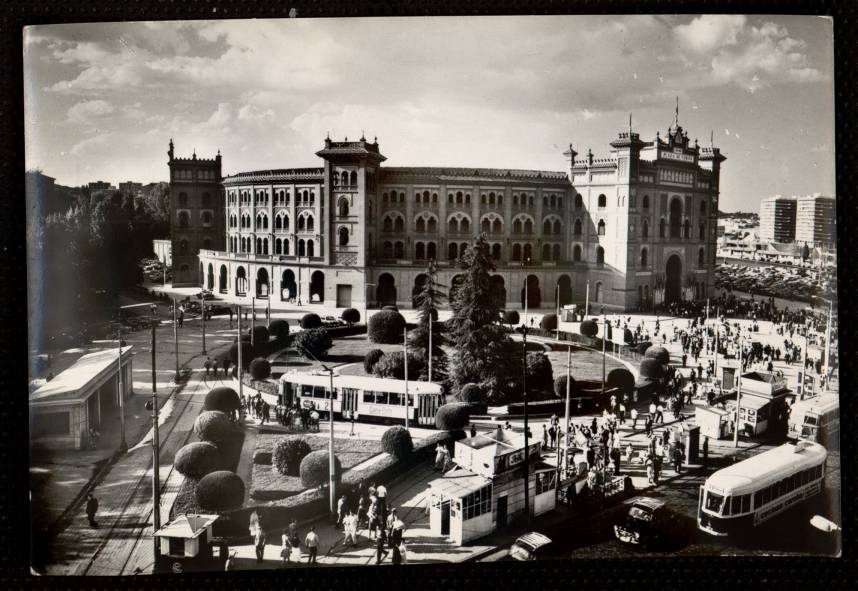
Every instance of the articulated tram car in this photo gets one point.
(363, 398)
(753, 491)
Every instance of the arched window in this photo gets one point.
(701, 257)
(467, 198)
(434, 197)
(497, 227)
(344, 178)
(450, 198)
(530, 200)
(183, 199)
(702, 230)
(421, 225)
(388, 250)
(464, 226)
(302, 222)
(310, 224)
(515, 199)
(432, 226)
(343, 236)
(516, 252)
(579, 201)
(459, 198)
(597, 293)
(486, 226)
(516, 227)
(527, 252)
(600, 255)
(644, 256)
(577, 230)
(645, 229)
(601, 227)
(388, 224)
(353, 177)
(545, 201)
(343, 207)
(646, 201)
(311, 252)
(426, 197)
(546, 252)
(184, 219)
(399, 225)
(546, 226)
(528, 227)
(603, 201)
(452, 251)
(278, 246)
(557, 227)
(399, 250)
(431, 251)
(285, 246)
(420, 251)
(496, 251)
(555, 252)
(278, 222)
(576, 254)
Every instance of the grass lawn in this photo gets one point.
(350, 452)
(586, 364)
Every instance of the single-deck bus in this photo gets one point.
(362, 398)
(816, 419)
(753, 491)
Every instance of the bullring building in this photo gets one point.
(637, 226)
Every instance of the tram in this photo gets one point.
(363, 398)
(816, 419)
(755, 490)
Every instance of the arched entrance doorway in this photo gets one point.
(222, 281)
(210, 278)
(288, 286)
(385, 292)
(534, 298)
(498, 290)
(262, 283)
(673, 280)
(317, 287)
(565, 284)
(240, 281)
(419, 284)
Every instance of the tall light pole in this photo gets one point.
(587, 301)
(156, 453)
(604, 337)
(558, 310)
(203, 309)
(526, 467)
(123, 446)
(366, 306)
(828, 343)
(738, 395)
(176, 338)
(238, 370)
(568, 411)
(405, 353)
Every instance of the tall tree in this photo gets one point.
(484, 353)
(428, 301)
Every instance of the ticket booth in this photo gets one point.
(713, 422)
(186, 544)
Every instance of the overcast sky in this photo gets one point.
(103, 100)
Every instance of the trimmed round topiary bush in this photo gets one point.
(197, 459)
(560, 386)
(288, 454)
(628, 337)
(279, 329)
(246, 353)
(540, 374)
(397, 442)
(453, 416)
(511, 317)
(220, 491)
(223, 399)
(386, 327)
(372, 357)
(316, 341)
(260, 368)
(589, 328)
(643, 347)
(548, 322)
(314, 469)
(621, 378)
(392, 365)
(651, 368)
(213, 426)
(260, 336)
(310, 321)
(658, 353)
(390, 308)
(350, 315)
(471, 393)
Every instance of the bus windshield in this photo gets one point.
(714, 502)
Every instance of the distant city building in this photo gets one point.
(100, 186)
(131, 188)
(163, 249)
(778, 219)
(638, 226)
(815, 220)
(196, 220)
(44, 196)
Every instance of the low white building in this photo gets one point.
(485, 489)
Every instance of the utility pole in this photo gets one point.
(156, 463)
(405, 348)
(604, 338)
(331, 465)
(430, 348)
(587, 301)
(176, 338)
(804, 363)
(738, 395)
(123, 445)
(526, 467)
(558, 311)
(238, 369)
(828, 343)
(203, 308)
(567, 417)
(366, 307)
(717, 339)
(252, 320)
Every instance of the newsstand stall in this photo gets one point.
(186, 544)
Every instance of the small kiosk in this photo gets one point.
(186, 544)
(763, 402)
(484, 491)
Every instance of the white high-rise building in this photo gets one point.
(777, 219)
(815, 215)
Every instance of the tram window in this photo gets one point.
(368, 396)
(767, 495)
(381, 397)
(307, 391)
(394, 398)
(746, 503)
(758, 499)
(411, 400)
(809, 420)
(713, 502)
(736, 505)
(319, 392)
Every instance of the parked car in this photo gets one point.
(649, 523)
(530, 546)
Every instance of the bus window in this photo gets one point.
(307, 391)
(394, 398)
(381, 397)
(714, 502)
(368, 396)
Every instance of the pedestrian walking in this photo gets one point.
(622, 413)
(552, 435)
(91, 508)
(634, 418)
(473, 430)
(181, 316)
(285, 546)
(381, 493)
(259, 544)
(677, 458)
(312, 544)
(341, 510)
(208, 365)
(705, 450)
(381, 540)
(544, 436)
(659, 413)
(350, 527)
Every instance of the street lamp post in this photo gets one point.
(604, 338)
(738, 395)
(123, 445)
(568, 412)
(239, 372)
(405, 353)
(366, 307)
(203, 308)
(526, 466)
(156, 463)
(176, 338)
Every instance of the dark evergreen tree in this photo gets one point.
(428, 301)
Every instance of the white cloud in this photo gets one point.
(709, 32)
(86, 112)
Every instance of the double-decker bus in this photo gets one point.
(816, 419)
(753, 491)
(363, 398)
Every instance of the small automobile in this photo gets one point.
(530, 546)
(648, 523)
